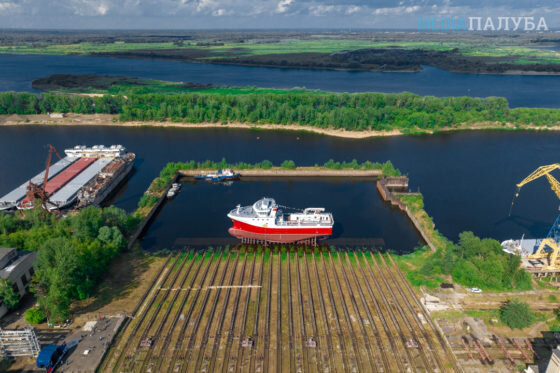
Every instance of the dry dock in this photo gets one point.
(240, 311)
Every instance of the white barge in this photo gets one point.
(87, 175)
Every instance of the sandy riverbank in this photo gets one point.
(112, 120)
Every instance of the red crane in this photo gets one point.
(35, 191)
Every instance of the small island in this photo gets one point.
(107, 100)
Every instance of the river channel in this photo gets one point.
(467, 178)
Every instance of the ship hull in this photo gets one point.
(242, 230)
(102, 196)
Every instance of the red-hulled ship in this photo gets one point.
(266, 221)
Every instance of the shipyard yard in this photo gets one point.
(262, 307)
(260, 311)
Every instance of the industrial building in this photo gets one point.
(17, 267)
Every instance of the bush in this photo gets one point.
(472, 262)
(9, 297)
(147, 200)
(516, 314)
(266, 164)
(389, 170)
(35, 316)
(288, 165)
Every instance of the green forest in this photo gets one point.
(358, 111)
(73, 252)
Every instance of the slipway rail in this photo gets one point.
(246, 311)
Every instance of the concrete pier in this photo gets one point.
(298, 172)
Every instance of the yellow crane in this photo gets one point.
(550, 246)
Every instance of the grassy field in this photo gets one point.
(117, 85)
(513, 53)
(519, 55)
(247, 48)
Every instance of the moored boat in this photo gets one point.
(221, 175)
(523, 247)
(172, 192)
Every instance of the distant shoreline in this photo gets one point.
(109, 120)
(368, 68)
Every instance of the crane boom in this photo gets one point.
(554, 184)
(49, 158)
(549, 247)
(539, 172)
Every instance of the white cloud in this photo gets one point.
(89, 7)
(6, 6)
(352, 9)
(102, 9)
(399, 10)
(205, 5)
(222, 12)
(283, 6)
(321, 10)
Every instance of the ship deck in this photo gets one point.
(68, 174)
(18, 193)
(68, 193)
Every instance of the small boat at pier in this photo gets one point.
(221, 175)
(172, 192)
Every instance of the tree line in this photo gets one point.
(357, 111)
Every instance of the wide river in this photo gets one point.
(468, 179)
(18, 71)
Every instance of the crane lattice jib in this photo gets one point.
(554, 184)
(543, 171)
(554, 232)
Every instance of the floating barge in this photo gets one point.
(86, 176)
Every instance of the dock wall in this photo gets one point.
(150, 215)
(387, 187)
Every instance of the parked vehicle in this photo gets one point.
(51, 356)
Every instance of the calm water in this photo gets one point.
(468, 179)
(197, 215)
(18, 71)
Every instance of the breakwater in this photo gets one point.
(298, 172)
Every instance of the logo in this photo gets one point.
(454, 23)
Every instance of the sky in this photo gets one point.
(246, 14)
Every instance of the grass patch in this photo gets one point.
(486, 315)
